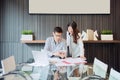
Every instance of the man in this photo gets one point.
(55, 47)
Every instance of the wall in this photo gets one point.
(62, 6)
(14, 18)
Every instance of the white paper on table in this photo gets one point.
(70, 62)
(74, 60)
(63, 64)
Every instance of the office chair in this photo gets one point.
(9, 71)
(114, 75)
(99, 71)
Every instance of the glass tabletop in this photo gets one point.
(19, 75)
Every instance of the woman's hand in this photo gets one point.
(83, 57)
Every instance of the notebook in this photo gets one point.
(40, 58)
(8, 65)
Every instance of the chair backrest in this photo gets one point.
(100, 68)
(114, 75)
(8, 64)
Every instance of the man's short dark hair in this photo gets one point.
(58, 29)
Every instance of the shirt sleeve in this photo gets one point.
(47, 44)
(61, 46)
(47, 47)
(81, 46)
(64, 45)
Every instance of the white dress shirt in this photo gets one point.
(76, 49)
(51, 46)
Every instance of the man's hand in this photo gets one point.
(60, 54)
(56, 53)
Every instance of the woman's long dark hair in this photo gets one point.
(75, 31)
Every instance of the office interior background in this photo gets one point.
(15, 17)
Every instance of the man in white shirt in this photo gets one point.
(54, 46)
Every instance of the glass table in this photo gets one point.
(16, 76)
(28, 72)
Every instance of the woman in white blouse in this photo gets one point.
(75, 44)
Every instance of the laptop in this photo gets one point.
(8, 65)
(40, 58)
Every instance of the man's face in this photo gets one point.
(57, 36)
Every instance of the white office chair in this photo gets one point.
(9, 70)
(114, 75)
(99, 70)
(8, 64)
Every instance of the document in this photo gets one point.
(70, 62)
(74, 60)
(64, 64)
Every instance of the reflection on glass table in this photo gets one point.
(10, 70)
(19, 75)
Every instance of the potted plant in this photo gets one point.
(27, 35)
(106, 35)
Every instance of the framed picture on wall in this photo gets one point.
(69, 6)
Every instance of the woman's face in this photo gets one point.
(70, 30)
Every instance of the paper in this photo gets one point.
(74, 60)
(64, 64)
(70, 62)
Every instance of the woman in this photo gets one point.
(76, 47)
(74, 44)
